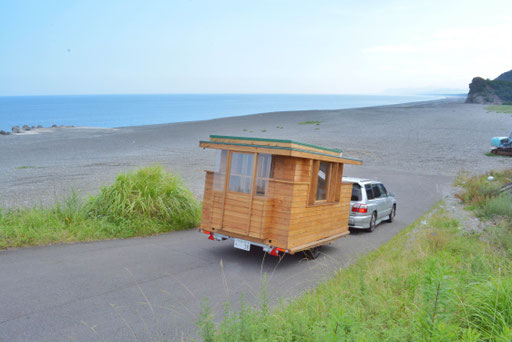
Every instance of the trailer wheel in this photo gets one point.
(312, 253)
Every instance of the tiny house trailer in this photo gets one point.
(281, 195)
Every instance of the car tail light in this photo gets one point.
(359, 208)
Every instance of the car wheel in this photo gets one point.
(373, 222)
(392, 214)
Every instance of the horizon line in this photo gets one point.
(229, 93)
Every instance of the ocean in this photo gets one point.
(134, 110)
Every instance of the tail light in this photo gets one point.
(274, 252)
(359, 208)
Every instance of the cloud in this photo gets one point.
(463, 39)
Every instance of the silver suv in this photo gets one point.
(370, 204)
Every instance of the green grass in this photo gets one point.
(310, 123)
(140, 203)
(28, 167)
(479, 189)
(489, 154)
(432, 282)
(482, 196)
(500, 109)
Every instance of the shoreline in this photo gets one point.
(441, 98)
(439, 137)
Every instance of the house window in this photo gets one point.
(219, 175)
(325, 182)
(322, 189)
(240, 174)
(263, 173)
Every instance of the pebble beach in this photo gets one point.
(442, 137)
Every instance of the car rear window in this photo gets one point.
(369, 191)
(356, 193)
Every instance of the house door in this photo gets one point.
(245, 202)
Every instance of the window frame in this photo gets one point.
(220, 170)
(332, 183)
(229, 173)
(253, 174)
(267, 179)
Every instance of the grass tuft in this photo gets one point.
(139, 203)
(310, 123)
(500, 108)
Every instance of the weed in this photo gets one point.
(310, 123)
(27, 167)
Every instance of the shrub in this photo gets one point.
(149, 193)
(497, 206)
(140, 203)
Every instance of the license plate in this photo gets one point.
(241, 244)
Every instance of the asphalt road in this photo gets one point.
(150, 289)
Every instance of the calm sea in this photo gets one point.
(133, 110)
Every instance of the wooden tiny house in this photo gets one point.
(281, 195)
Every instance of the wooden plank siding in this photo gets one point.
(287, 216)
(319, 221)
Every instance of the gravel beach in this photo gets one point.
(437, 138)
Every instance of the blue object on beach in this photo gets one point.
(502, 142)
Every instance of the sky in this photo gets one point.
(280, 46)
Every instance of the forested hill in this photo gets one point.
(498, 91)
(506, 76)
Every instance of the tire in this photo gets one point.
(312, 253)
(392, 214)
(373, 222)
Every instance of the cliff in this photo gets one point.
(486, 91)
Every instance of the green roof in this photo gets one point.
(277, 140)
(274, 147)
